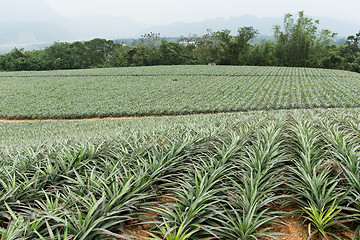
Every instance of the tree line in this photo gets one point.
(297, 43)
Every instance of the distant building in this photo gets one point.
(186, 43)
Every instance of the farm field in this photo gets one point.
(256, 174)
(172, 90)
(86, 178)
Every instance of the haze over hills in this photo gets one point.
(18, 26)
(264, 25)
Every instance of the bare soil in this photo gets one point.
(293, 226)
(77, 119)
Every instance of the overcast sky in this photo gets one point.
(168, 11)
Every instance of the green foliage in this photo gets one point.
(323, 219)
(297, 44)
(222, 48)
(151, 40)
(152, 91)
(142, 55)
(202, 177)
(264, 54)
(172, 53)
(189, 177)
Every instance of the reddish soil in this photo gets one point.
(77, 119)
(141, 231)
(295, 227)
(296, 230)
(292, 225)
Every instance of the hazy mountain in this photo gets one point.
(341, 27)
(19, 26)
(31, 32)
(88, 27)
(19, 11)
(264, 25)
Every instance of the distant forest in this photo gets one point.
(298, 43)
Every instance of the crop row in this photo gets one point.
(188, 70)
(187, 177)
(175, 75)
(102, 96)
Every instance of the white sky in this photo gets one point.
(168, 11)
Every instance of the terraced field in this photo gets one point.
(243, 175)
(172, 90)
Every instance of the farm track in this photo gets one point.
(174, 75)
(94, 118)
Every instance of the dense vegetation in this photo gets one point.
(298, 43)
(171, 90)
(223, 176)
(185, 177)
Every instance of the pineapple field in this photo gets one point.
(275, 154)
(172, 90)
